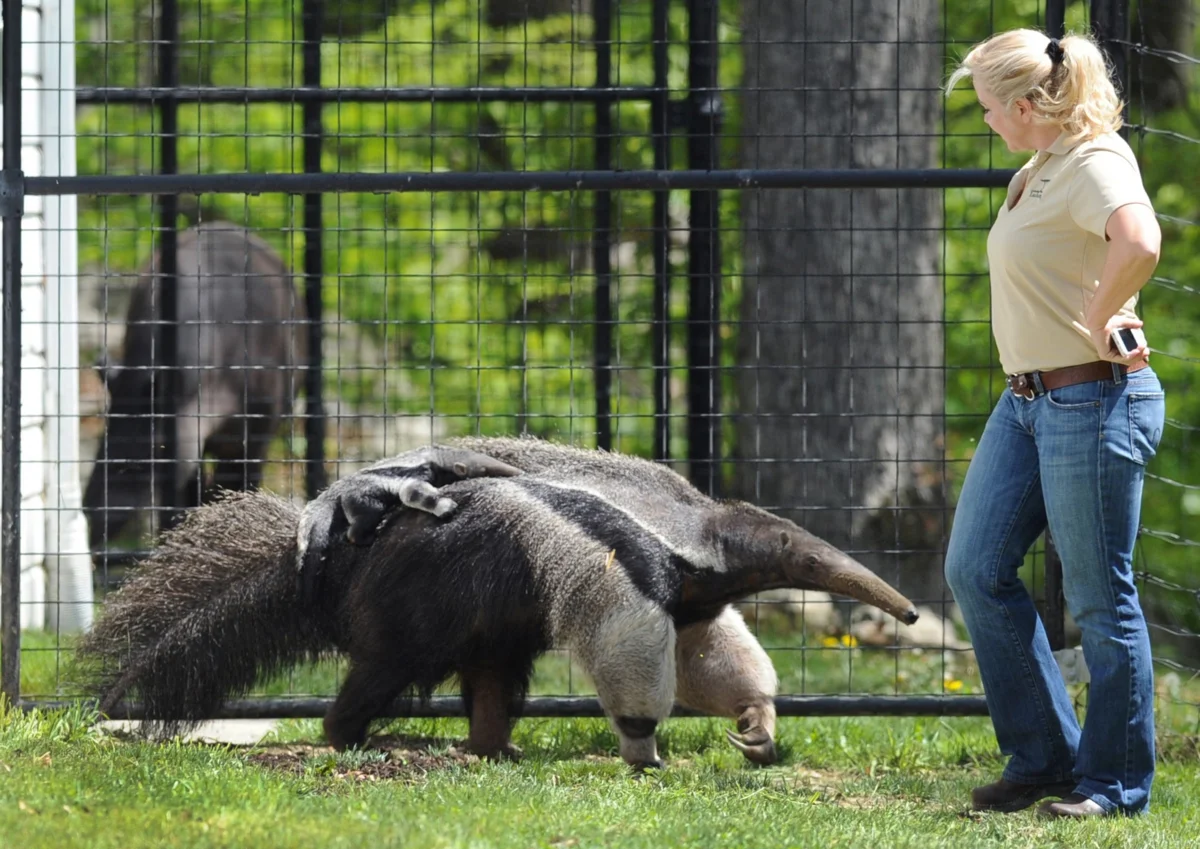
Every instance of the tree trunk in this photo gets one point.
(840, 345)
(1156, 82)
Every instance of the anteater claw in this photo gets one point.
(756, 745)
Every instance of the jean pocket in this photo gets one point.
(1147, 415)
(1079, 396)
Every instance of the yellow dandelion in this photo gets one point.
(830, 642)
(849, 641)
(953, 684)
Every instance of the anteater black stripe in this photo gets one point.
(650, 564)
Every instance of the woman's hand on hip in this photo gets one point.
(1107, 350)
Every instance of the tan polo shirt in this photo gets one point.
(1047, 247)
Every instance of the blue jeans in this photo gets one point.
(1073, 458)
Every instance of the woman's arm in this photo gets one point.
(1134, 241)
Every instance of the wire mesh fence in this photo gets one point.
(744, 239)
(1160, 54)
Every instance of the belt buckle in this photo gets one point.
(1022, 387)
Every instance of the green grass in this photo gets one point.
(843, 782)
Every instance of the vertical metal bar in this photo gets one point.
(1110, 23)
(314, 256)
(660, 129)
(10, 291)
(1054, 615)
(602, 229)
(164, 452)
(704, 256)
(1056, 18)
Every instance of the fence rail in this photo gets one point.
(523, 181)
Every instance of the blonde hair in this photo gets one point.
(1076, 94)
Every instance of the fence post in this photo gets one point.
(660, 130)
(314, 255)
(164, 450)
(1054, 611)
(12, 206)
(1056, 18)
(704, 250)
(1110, 23)
(602, 229)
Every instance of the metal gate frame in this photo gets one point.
(698, 113)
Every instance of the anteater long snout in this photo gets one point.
(840, 573)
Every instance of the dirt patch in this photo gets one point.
(387, 758)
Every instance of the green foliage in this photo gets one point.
(478, 306)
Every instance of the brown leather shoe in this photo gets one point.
(1074, 805)
(1006, 796)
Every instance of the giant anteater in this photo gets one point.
(615, 558)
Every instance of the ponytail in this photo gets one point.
(1067, 82)
(1085, 103)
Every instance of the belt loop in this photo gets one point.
(1038, 388)
(1118, 372)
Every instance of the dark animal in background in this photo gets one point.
(639, 591)
(241, 346)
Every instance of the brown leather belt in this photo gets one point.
(1034, 383)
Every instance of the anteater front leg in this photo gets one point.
(632, 662)
(723, 670)
(366, 693)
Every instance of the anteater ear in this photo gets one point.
(785, 539)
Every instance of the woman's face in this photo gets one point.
(1012, 125)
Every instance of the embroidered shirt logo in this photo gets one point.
(1037, 193)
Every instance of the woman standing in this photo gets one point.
(1067, 443)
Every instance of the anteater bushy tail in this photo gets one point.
(213, 610)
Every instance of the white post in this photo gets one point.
(68, 563)
(31, 486)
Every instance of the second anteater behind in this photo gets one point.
(241, 342)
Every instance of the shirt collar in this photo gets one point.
(1065, 143)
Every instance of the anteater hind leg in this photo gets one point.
(632, 661)
(723, 670)
(489, 696)
(366, 693)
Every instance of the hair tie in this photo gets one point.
(1054, 51)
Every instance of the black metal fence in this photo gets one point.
(662, 374)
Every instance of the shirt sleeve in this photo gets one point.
(1104, 182)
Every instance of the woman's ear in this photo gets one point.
(1024, 110)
